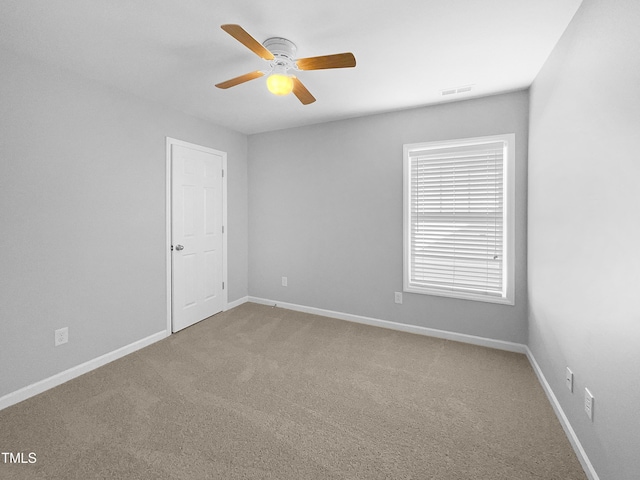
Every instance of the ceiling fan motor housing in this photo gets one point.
(283, 50)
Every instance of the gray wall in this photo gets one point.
(82, 216)
(325, 210)
(584, 229)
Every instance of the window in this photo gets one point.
(459, 218)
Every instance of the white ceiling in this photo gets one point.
(407, 51)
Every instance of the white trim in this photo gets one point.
(169, 143)
(167, 214)
(236, 303)
(564, 421)
(402, 327)
(62, 377)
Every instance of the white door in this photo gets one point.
(196, 234)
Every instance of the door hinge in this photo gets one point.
(223, 285)
(222, 228)
(222, 173)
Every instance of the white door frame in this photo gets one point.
(170, 142)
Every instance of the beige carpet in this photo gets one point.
(265, 393)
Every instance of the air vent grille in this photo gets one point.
(456, 90)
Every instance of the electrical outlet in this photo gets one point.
(398, 297)
(569, 379)
(284, 281)
(61, 336)
(588, 403)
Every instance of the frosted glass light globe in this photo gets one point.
(279, 84)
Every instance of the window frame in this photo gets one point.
(508, 267)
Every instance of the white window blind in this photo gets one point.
(455, 218)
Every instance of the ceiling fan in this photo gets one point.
(280, 53)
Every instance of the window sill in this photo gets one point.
(461, 295)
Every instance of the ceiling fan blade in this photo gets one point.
(339, 60)
(241, 79)
(240, 34)
(300, 91)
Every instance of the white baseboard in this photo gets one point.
(564, 421)
(403, 327)
(236, 303)
(62, 377)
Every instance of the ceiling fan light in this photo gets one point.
(280, 84)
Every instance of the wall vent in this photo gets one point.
(456, 90)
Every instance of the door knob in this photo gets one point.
(179, 247)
